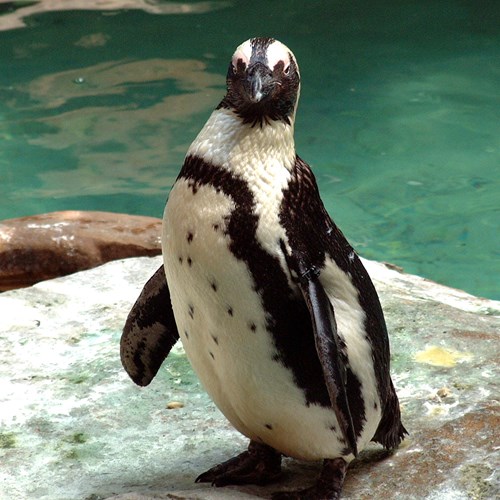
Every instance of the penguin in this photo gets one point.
(274, 308)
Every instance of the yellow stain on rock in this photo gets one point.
(438, 356)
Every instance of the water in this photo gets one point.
(399, 114)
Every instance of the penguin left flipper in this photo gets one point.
(328, 349)
(149, 332)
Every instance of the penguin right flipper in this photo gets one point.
(149, 332)
(390, 431)
(328, 348)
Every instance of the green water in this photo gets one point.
(399, 115)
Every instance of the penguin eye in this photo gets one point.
(239, 66)
(279, 68)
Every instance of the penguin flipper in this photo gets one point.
(149, 332)
(390, 431)
(327, 344)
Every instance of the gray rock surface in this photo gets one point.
(73, 426)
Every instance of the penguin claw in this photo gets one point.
(261, 465)
(327, 487)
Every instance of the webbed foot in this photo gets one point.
(260, 464)
(327, 487)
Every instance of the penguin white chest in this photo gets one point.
(216, 310)
(223, 327)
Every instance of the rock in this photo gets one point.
(72, 425)
(46, 246)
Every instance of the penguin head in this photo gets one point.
(263, 82)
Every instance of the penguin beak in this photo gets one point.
(259, 82)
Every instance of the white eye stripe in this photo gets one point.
(243, 52)
(277, 52)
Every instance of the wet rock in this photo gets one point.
(46, 246)
(72, 425)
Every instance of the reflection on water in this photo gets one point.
(398, 114)
(22, 10)
(127, 142)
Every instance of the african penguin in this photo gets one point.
(275, 310)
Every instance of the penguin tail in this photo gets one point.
(390, 431)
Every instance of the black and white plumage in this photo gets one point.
(275, 310)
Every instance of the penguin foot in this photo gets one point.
(261, 465)
(327, 487)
